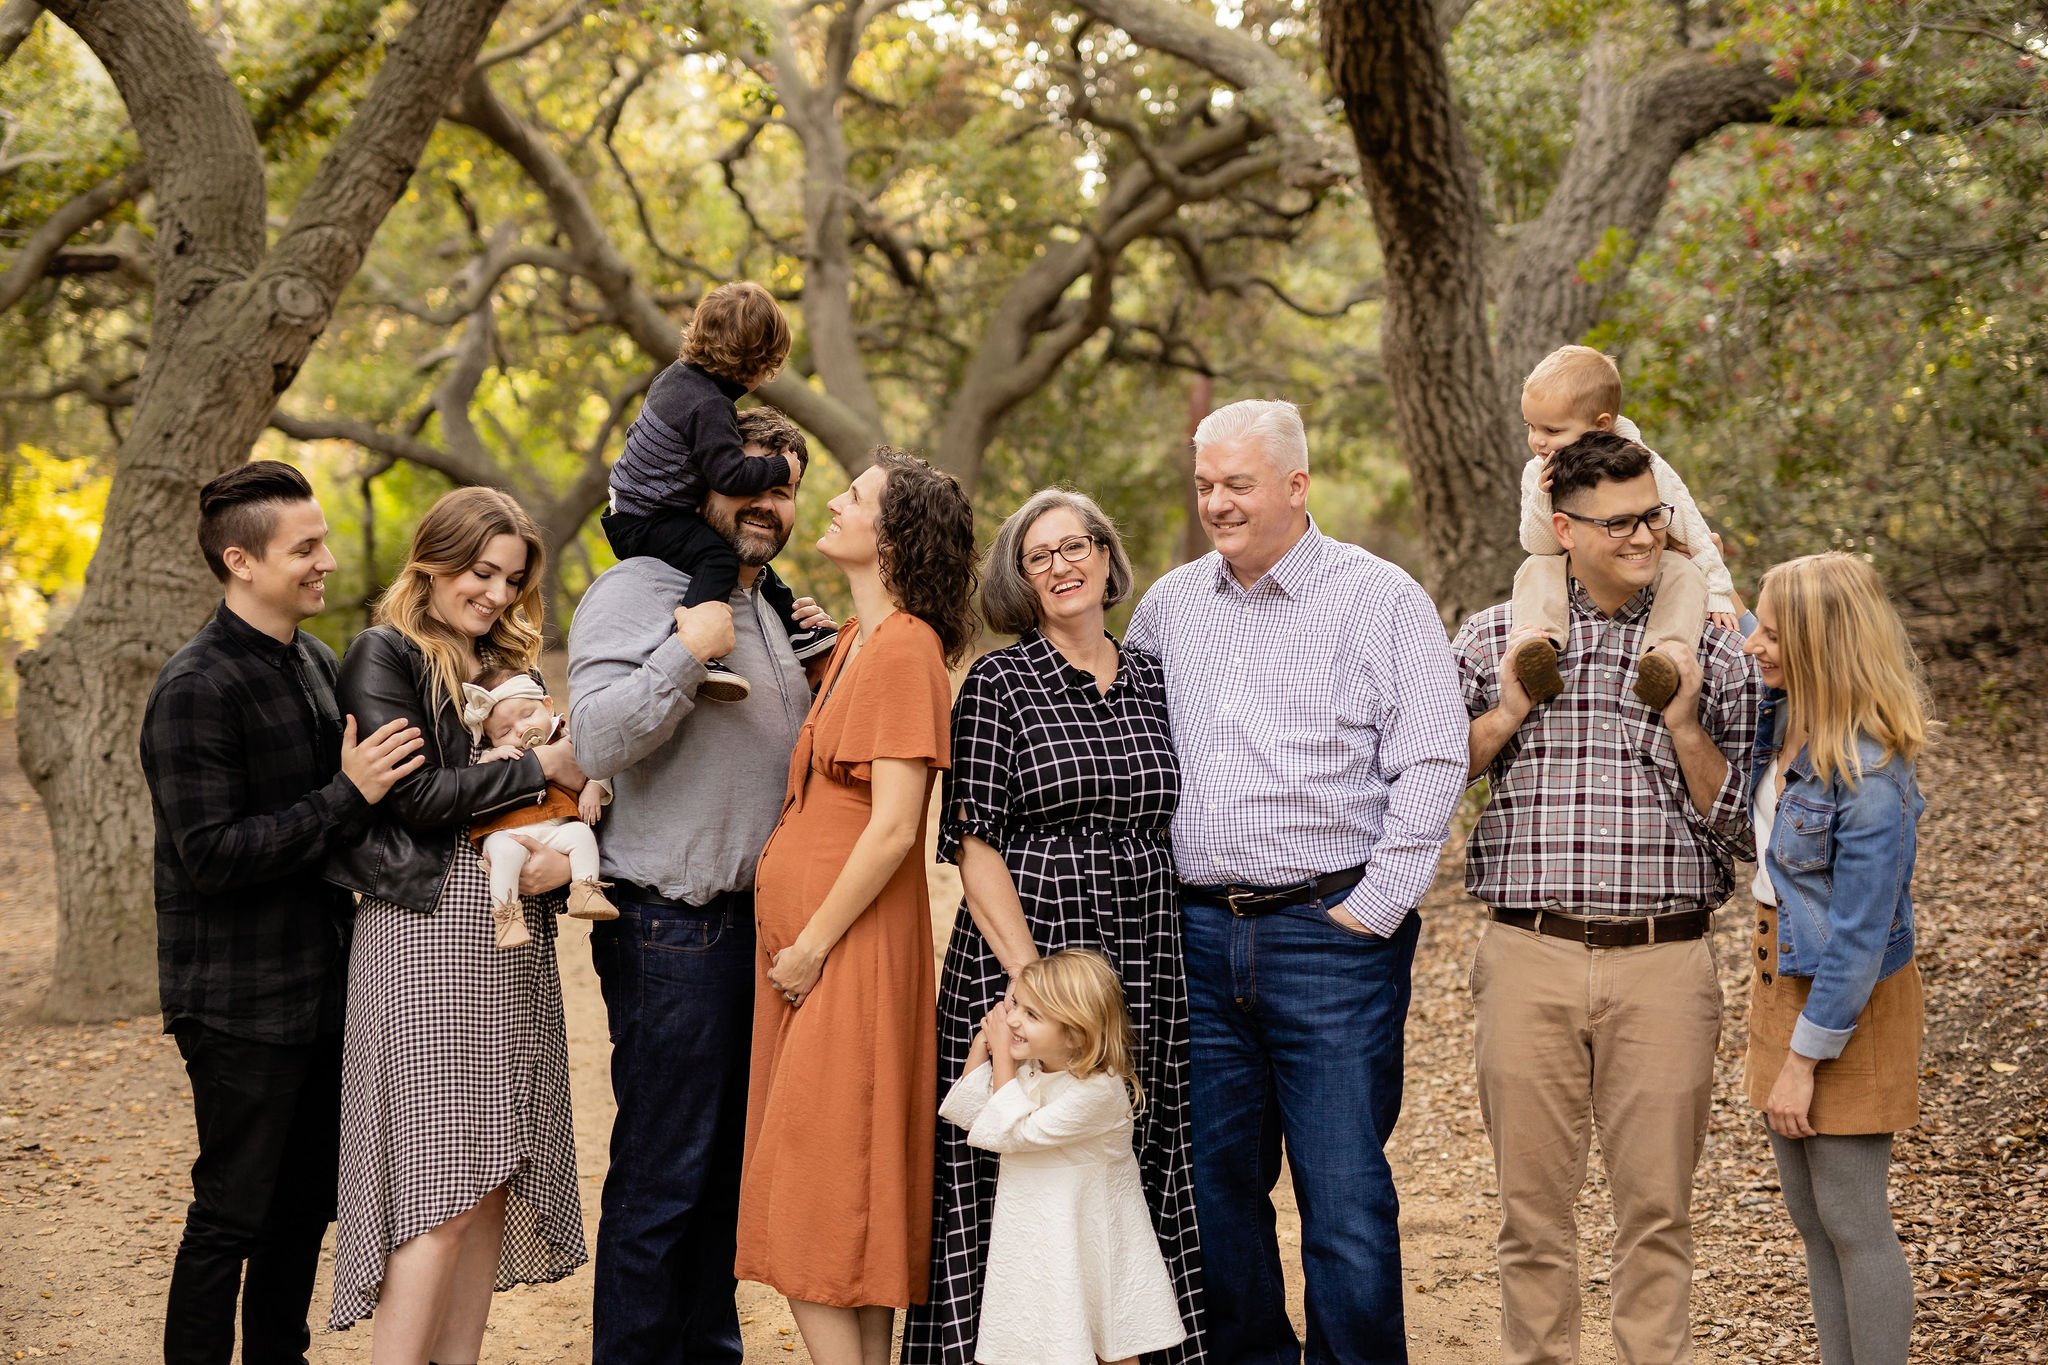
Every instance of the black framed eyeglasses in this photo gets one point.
(1073, 549)
(1624, 526)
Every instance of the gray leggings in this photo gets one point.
(1855, 1269)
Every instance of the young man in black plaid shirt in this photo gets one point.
(254, 776)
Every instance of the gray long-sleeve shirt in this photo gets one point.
(696, 789)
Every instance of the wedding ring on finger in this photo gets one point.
(790, 996)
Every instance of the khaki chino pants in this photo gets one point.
(1571, 1038)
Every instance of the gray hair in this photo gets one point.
(1008, 601)
(1274, 423)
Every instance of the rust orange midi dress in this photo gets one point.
(836, 1190)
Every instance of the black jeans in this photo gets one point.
(262, 1193)
(688, 544)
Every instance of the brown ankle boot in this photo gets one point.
(587, 900)
(1535, 663)
(1656, 680)
(509, 917)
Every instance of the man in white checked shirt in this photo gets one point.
(1609, 837)
(1321, 736)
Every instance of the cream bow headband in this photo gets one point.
(478, 701)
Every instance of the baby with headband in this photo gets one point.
(509, 712)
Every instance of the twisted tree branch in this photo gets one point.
(33, 260)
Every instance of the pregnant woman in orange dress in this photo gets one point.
(835, 1198)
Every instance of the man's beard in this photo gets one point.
(756, 537)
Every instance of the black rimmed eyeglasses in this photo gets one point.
(1073, 549)
(1624, 526)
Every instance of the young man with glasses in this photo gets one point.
(1572, 391)
(1610, 837)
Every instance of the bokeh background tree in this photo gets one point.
(1035, 240)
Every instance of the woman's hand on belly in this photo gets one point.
(795, 971)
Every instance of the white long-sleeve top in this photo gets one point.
(1539, 538)
(1074, 1270)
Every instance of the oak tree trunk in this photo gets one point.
(1422, 182)
(1454, 355)
(235, 317)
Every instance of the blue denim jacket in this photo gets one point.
(1841, 861)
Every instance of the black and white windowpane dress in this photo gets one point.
(455, 1080)
(1076, 789)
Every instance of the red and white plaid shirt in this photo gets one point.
(1589, 813)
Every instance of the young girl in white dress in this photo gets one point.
(1074, 1270)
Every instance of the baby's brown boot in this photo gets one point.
(1535, 663)
(509, 917)
(1656, 680)
(587, 900)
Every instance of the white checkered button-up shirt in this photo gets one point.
(1318, 721)
(1589, 812)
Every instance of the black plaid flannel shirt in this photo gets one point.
(241, 744)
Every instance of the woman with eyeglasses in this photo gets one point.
(1057, 811)
(1835, 1013)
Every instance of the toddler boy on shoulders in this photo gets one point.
(1574, 390)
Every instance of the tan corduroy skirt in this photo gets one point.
(1874, 1086)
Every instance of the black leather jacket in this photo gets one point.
(405, 855)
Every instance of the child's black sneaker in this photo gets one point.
(722, 684)
(809, 644)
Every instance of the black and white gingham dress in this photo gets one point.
(455, 1079)
(1076, 790)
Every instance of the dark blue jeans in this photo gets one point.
(1296, 1030)
(679, 994)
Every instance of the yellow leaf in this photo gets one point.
(2004, 1068)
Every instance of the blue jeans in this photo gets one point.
(1296, 1031)
(679, 995)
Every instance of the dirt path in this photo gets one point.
(96, 1137)
(96, 1146)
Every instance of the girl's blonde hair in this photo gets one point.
(451, 537)
(1078, 990)
(1849, 667)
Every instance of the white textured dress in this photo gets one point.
(1074, 1270)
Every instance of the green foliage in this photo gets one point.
(50, 510)
(1837, 334)
(1518, 69)
(63, 119)
(1834, 330)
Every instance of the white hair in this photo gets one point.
(1274, 423)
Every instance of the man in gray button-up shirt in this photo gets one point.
(697, 791)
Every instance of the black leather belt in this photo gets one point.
(1629, 932)
(647, 895)
(1263, 900)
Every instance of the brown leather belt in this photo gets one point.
(1261, 900)
(1630, 932)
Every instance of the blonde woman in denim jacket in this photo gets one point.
(1835, 1005)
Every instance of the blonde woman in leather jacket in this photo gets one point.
(457, 1153)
